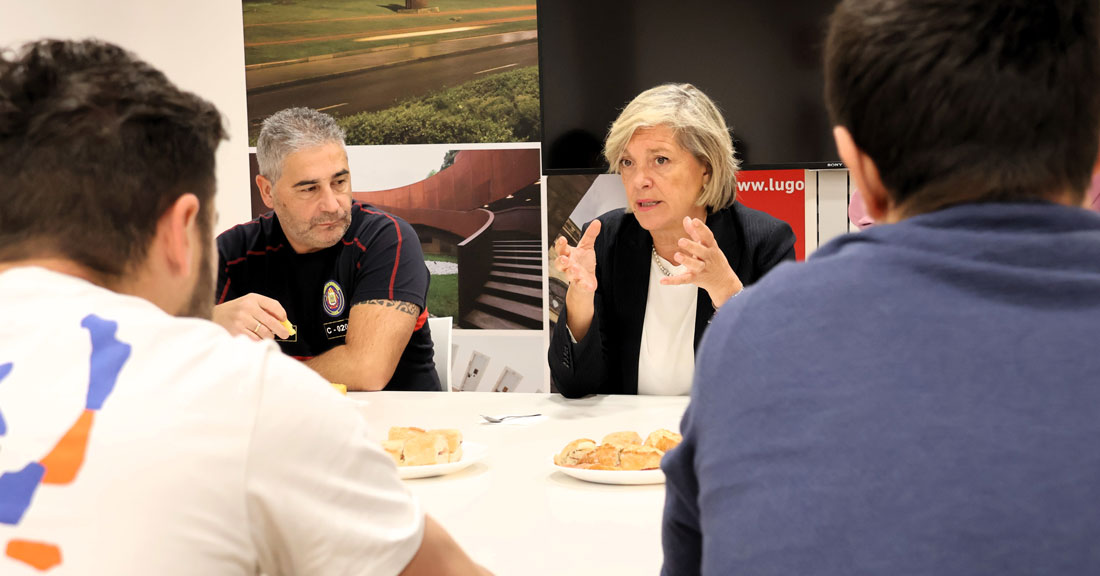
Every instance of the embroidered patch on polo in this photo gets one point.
(333, 301)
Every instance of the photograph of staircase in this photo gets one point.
(511, 299)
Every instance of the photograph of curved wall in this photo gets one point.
(478, 217)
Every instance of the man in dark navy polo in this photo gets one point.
(339, 284)
(953, 431)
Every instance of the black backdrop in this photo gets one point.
(760, 60)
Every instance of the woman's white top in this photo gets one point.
(666, 360)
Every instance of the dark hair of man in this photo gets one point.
(969, 100)
(95, 146)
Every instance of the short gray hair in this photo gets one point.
(699, 128)
(288, 131)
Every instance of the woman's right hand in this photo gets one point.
(578, 263)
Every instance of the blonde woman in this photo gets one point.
(644, 281)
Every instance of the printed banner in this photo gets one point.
(781, 193)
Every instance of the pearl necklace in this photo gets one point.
(660, 266)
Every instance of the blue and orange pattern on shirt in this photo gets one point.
(63, 463)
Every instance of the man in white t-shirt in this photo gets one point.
(133, 441)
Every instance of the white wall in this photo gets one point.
(832, 204)
(199, 44)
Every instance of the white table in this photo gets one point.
(513, 512)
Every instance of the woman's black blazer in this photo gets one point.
(605, 361)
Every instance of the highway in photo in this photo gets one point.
(382, 87)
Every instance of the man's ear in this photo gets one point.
(177, 233)
(265, 187)
(876, 200)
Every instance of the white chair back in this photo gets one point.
(441, 338)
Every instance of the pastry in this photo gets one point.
(425, 449)
(454, 442)
(608, 454)
(395, 448)
(412, 446)
(622, 438)
(575, 452)
(640, 458)
(663, 440)
(403, 433)
(619, 451)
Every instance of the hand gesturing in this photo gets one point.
(706, 265)
(578, 263)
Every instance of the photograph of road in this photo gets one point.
(454, 71)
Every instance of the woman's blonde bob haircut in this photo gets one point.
(699, 128)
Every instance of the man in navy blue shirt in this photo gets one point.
(954, 430)
(338, 284)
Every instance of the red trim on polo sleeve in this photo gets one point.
(397, 254)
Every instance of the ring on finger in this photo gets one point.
(256, 330)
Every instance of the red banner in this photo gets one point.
(781, 193)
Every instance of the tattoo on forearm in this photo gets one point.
(406, 307)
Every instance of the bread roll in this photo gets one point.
(395, 448)
(575, 452)
(640, 458)
(622, 438)
(663, 440)
(403, 433)
(425, 449)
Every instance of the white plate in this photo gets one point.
(621, 477)
(471, 453)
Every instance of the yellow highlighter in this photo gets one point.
(289, 327)
(340, 388)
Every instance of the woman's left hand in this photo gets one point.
(706, 265)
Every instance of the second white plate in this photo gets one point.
(471, 452)
(621, 477)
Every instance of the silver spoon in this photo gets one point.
(499, 419)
